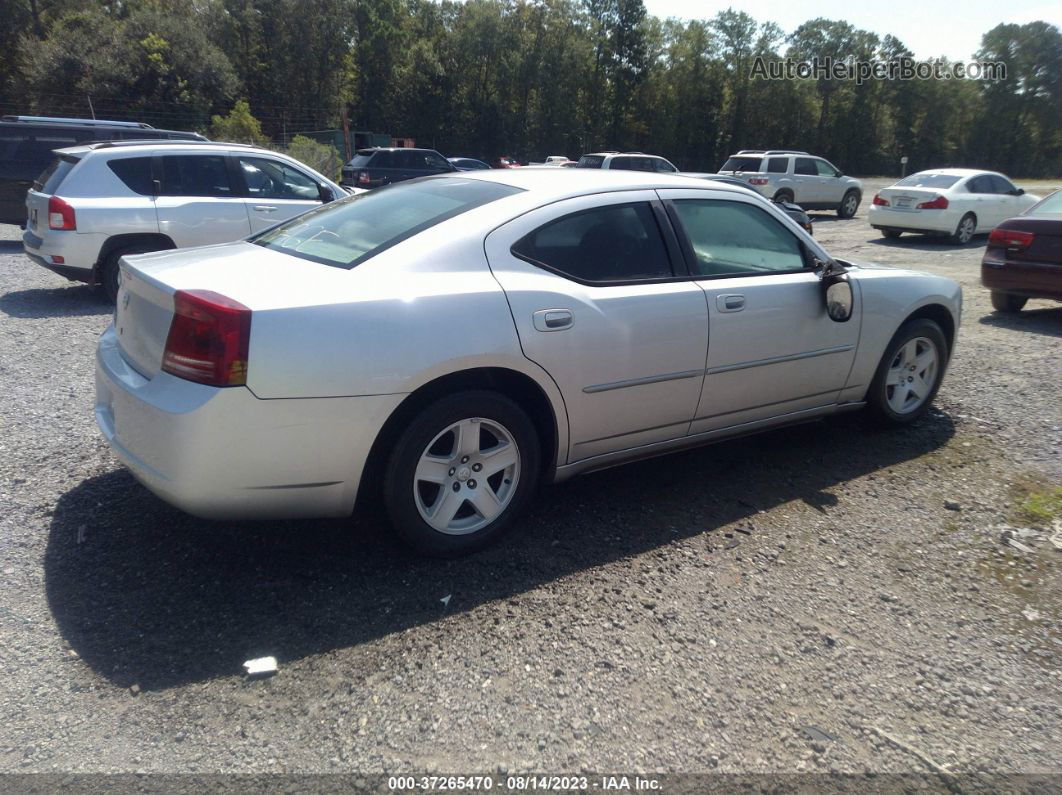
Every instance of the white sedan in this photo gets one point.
(957, 202)
(459, 339)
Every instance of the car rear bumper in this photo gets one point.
(911, 221)
(222, 453)
(1026, 279)
(70, 254)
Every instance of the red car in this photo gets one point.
(1024, 256)
(504, 162)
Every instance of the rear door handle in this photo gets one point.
(730, 303)
(553, 319)
(265, 208)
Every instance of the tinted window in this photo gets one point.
(350, 231)
(998, 184)
(928, 181)
(623, 163)
(825, 169)
(806, 166)
(777, 165)
(135, 173)
(659, 164)
(360, 160)
(742, 164)
(590, 161)
(52, 177)
(385, 159)
(621, 242)
(195, 175)
(271, 179)
(436, 162)
(979, 185)
(734, 237)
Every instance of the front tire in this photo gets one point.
(909, 374)
(461, 472)
(1005, 302)
(965, 231)
(849, 205)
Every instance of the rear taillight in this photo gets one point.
(363, 177)
(880, 202)
(208, 339)
(936, 203)
(61, 215)
(1010, 238)
(758, 181)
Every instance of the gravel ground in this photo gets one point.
(699, 612)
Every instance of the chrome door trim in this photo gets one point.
(649, 379)
(778, 359)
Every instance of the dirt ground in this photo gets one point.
(827, 598)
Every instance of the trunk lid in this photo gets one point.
(908, 198)
(1046, 246)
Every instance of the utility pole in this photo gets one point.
(91, 109)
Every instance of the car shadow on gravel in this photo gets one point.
(148, 595)
(78, 301)
(10, 246)
(1035, 321)
(928, 243)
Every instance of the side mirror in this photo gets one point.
(1017, 192)
(839, 174)
(326, 194)
(837, 290)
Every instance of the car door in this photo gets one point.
(598, 304)
(981, 201)
(197, 203)
(830, 186)
(275, 191)
(806, 181)
(1007, 201)
(772, 348)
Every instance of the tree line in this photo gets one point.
(530, 78)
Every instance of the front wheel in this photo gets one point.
(909, 374)
(849, 204)
(460, 473)
(1004, 302)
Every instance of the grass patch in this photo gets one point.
(1036, 502)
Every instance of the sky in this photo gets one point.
(929, 29)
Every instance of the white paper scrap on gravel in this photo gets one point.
(262, 665)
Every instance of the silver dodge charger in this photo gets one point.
(456, 340)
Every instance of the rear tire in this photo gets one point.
(441, 494)
(109, 268)
(965, 231)
(909, 374)
(849, 205)
(891, 234)
(1005, 302)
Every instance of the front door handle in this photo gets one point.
(730, 302)
(553, 319)
(265, 208)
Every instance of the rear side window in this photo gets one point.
(348, 232)
(742, 164)
(135, 174)
(195, 175)
(805, 166)
(590, 161)
(777, 165)
(731, 238)
(618, 243)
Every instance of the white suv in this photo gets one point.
(628, 161)
(789, 175)
(98, 202)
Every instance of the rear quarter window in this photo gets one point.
(135, 174)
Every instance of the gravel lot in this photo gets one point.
(698, 612)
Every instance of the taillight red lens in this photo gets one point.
(208, 340)
(937, 203)
(880, 202)
(363, 177)
(61, 215)
(758, 181)
(1010, 238)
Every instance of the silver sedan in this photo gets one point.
(457, 340)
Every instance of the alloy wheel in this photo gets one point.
(912, 375)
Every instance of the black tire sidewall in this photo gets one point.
(876, 398)
(955, 237)
(109, 269)
(844, 200)
(1005, 302)
(398, 479)
(783, 196)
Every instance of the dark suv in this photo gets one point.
(26, 144)
(372, 168)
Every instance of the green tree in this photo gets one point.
(238, 126)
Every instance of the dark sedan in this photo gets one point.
(794, 211)
(468, 164)
(1024, 256)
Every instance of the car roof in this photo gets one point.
(560, 183)
(956, 172)
(169, 145)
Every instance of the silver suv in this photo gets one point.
(98, 202)
(794, 176)
(628, 161)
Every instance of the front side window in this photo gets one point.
(436, 162)
(1000, 184)
(348, 232)
(731, 238)
(195, 175)
(271, 179)
(663, 166)
(825, 169)
(617, 243)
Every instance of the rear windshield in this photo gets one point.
(1052, 205)
(742, 164)
(360, 160)
(53, 176)
(927, 181)
(348, 232)
(590, 161)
